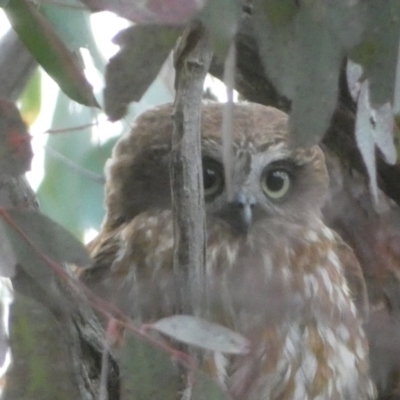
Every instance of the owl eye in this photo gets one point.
(213, 178)
(276, 182)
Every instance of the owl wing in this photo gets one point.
(354, 276)
(132, 266)
(103, 250)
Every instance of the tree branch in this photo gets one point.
(192, 60)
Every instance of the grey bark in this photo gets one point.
(192, 61)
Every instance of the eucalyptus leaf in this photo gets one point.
(8, 258)
(70, 20)
(374, 127)
(319, 57)
(65, 176)
(222, 30)
(201, 333)
(206, 388)
(31, 98)
(51, 239)
(40, 239)
(146, 372)
(378, 52)
(302, 57)
(50, 51)
(171, 12)
(274, 23)
(131, 71)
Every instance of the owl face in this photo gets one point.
(267, 183)
(270, 181)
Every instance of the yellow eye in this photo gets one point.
(213, 178)
(275, 183)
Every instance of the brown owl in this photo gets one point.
(277, 274)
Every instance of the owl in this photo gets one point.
(275, 272)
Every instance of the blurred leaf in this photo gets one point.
(67, 191)
(374, 127)
(8, 259)
(41, 355)
(345, 19)
(378, 53)
(41, 238)
(199, 332)
(205, 388)
(130, 72)
(146, 372)
(275, 31)
(92, 212)
(72, 23)
(42, 41)
(70, 20)
(222, 30)
(302, 52)
(48, 237)
(319, 58)
(171, 12)
(31, 99)
(15, 142)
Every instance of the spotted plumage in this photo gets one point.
(275, 272)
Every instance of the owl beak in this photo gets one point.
(239, 213)
(246, 214)
(245, 205)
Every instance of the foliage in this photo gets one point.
(303, 46)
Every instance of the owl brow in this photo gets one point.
(286, 163)
(267, 145)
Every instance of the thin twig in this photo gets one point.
(227, 124)
(74, 167)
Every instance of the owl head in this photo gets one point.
(271, 180)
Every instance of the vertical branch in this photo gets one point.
(227, 125)
(192, 61)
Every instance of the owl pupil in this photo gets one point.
(275, 181)
(209, 178)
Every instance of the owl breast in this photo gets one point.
(282, 286)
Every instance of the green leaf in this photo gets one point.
(205, 388)
(146, 372)
(222, 30)
(67, 192)
(302, 54)
(31, 99)
(378, 53)
(50, 51)
(275, 31)
(319, 57)
(38, 343)
(51, 239)
(131, 71)
(71, 22)
(41, 238)
(201, 333)
(8, 259)
(170, 12)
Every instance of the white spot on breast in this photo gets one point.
(326, 281)
(311, 285)
(311, 236)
